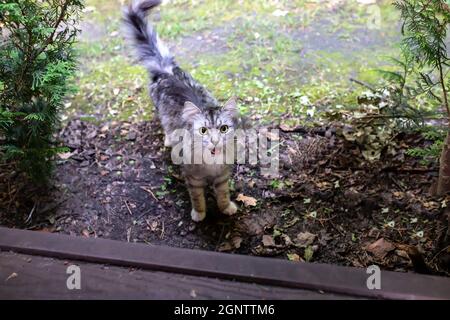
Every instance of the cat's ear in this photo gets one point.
(190, 111)
(230, 107)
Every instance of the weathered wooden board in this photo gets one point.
(36, 277)
(264, 271)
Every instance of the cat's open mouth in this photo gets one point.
(214, 151)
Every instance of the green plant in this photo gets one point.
(427, 154)
(402, 101)
(431, 152)
(424, 30)
(36, 62)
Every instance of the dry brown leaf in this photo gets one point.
(65, 155)
(287, 240)
(256, 224)
(287, 128)
(268, 241)
(153, 226)
(237, 242)
(226, 246)
(47, 229)
(293, 257)
(380, 248)
(272, 136)
(104, 173)
(248, 201)
(305, 239)
(324, 185)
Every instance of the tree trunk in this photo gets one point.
(443, 184)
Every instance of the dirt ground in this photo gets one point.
(329, 206)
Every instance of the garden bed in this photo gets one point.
(329, 205)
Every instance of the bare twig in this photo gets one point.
(444, 89)
(50, 38)
(31, 213)
(128, 234)
(128, 207)
(220, 237)
(437, 254)
(162, 230)
(147, 189)
(368, 86)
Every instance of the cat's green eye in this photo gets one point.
(203, 130)
(224, 129)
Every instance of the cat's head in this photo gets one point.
(213, 126)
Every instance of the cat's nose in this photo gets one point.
(215, 140)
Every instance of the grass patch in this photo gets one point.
(113, 89)
(264, 62)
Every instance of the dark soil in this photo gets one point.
(329, 206)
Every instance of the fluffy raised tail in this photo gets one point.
(151, 52)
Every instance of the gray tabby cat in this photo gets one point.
(182, 103)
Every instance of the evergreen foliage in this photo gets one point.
(424, 29)
(36, 64)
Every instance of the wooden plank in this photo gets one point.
(39, 277)
(266, 271)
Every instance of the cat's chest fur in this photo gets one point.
(206, 171)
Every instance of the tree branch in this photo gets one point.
(50, 38)
(444, 89)
(368, 86)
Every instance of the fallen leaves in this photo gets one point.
(47, 229)
(66, 155)
(287, 128)
(236, 241)
(153, 226)
(256, 224)
(248, 201)
(231, 244)
(272, 136)
(309, 252)
(305, 239)
(104, 173)
(380, 248)
(293, 257)
(268, 241)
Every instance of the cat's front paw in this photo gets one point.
(197, 216)
(231, 209)
(167, 142)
